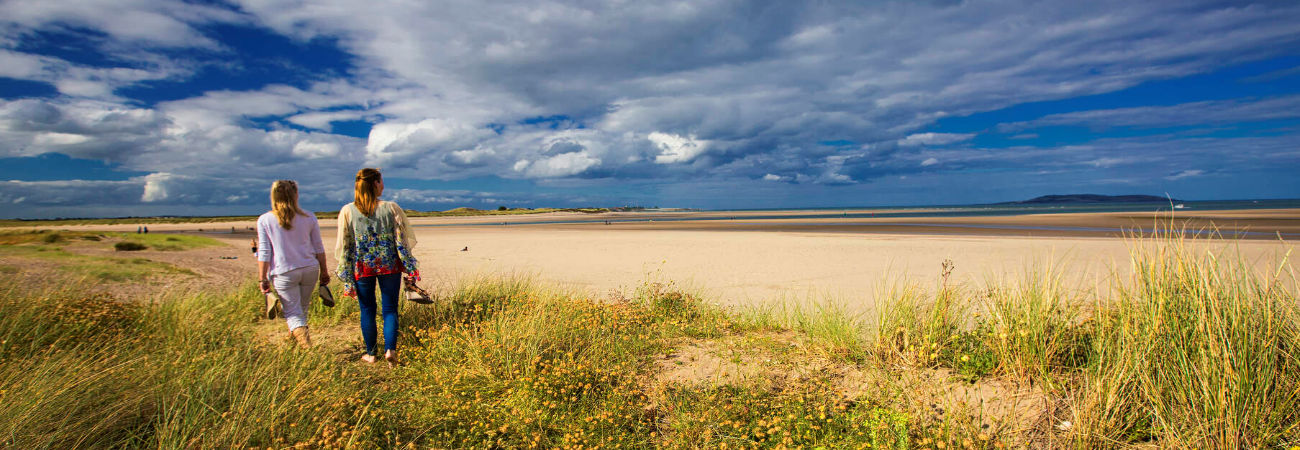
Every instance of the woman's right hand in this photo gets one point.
(265, 285)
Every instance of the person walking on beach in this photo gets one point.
(290, 257)
(374, 249)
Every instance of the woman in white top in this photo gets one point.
(290, 257)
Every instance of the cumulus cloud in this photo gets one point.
(676, 149)
(564, 164)
(672, 94)
(155, 187)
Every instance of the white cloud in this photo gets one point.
(55, 139)
(1186, 174)
(155, 187)
(309, 149)
(162, 23)
(929, 162)
(1205, 113)
(564, 164)
(677, 149)
(934, 139)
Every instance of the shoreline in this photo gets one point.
(1250, 224)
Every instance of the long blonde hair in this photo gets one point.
(284, 202)
(367, 190)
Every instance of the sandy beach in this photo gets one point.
(749, 261)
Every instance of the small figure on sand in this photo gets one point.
(146, 230)
(137, 229)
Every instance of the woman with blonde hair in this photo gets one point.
(290, 258)
(374, 249)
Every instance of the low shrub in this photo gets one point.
(128, 246)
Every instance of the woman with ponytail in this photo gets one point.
(373, 250)
(290, 258)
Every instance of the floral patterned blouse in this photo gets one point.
(373, 245)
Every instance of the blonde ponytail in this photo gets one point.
(367, 191)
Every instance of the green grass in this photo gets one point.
(101, 268)
(1194, 350)
(167, 241)
(186, 372)
(157, 241)
(49, 247)
(323, 215)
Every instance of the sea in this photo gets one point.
(847, 214)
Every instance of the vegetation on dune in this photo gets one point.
(156, 241)
(50, 248)
(322, 215)
(1192, 350)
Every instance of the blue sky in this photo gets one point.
(145, 107)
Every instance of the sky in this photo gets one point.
(114, 108)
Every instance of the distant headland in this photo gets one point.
(1093, 198)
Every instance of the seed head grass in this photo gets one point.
(1191, 348)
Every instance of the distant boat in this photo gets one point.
(1179, 206)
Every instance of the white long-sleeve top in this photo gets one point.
(291, 249)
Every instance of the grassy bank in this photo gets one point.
(82, 256)
(323, 215)
(1192, 350)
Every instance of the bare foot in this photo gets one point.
(368, 358)
(391, 356)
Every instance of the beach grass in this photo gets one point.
(1194, 348)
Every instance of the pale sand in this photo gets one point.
(768, 267)
(771, 264)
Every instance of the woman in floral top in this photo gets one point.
(374, 248)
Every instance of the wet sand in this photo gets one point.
(746, 261)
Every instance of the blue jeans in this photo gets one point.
(390, 288)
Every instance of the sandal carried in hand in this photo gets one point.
(326, 297)
(416, 294)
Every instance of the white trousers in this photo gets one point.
(295, 288)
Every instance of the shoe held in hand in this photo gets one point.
(326, 297)
(416, 294)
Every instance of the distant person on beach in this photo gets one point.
(290, 258)
(253, 245)
(146, 230)
(374, 249)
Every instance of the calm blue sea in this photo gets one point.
(1016, 210)
(1187, 207)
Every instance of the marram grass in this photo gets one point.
(1193, 349)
